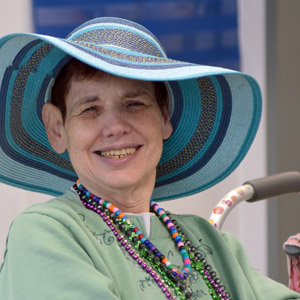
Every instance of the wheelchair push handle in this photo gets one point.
(255, 190)
(275, 185)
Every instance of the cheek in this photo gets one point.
(78, 137)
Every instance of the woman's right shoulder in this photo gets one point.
(59, 209)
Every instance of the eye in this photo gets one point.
(136, 103)
(133, 103)
(91, 110)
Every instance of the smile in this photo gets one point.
(117, 153)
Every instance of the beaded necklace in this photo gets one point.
(172, 281)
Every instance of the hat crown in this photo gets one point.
(117, 33)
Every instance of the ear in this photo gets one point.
(54, 125)
(167, 128)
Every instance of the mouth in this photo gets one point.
(117, 154)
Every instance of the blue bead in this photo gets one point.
(177, 238)
(183, 251)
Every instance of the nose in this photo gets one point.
(115, 123)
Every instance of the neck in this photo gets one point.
(129, 200)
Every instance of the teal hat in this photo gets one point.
(215, 112)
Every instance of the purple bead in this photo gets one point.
(152, 248)
(123, 243)
(135, 257)
(152, 273)
(105, 218)
(156, 278)
(102, 214)
(168, 295)
(112, 227)
(120, 238)
(131, 252)
(144, 266)
(140, 261)
(116, 233)
(127, 247)
(98, 211)
(181, 276)
(148, 270)
(163, 289)
(160, 284)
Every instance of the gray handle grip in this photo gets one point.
(275, 185)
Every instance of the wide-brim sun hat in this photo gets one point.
(215, 112)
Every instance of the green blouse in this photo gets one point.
(60, 250)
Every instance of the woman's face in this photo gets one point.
(114, 132)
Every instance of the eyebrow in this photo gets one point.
(85, 100)
(136, 93)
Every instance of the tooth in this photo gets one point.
(118, 153)
(131, 150)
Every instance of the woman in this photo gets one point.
(135, 127)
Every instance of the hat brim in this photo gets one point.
(215, 114)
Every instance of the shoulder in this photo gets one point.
(57, 208)
(56, 214)
(201, 228)
(194, 223)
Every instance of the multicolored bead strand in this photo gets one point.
(216, 289)
(175, 235)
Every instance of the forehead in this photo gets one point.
(107, 83)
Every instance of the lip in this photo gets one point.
(118, 161)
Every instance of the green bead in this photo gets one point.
(177, 291)
(163, 215)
